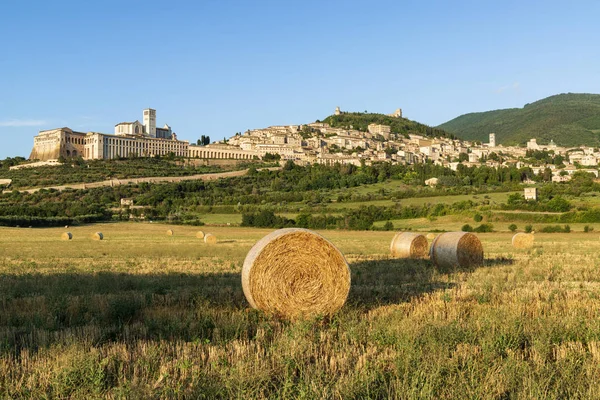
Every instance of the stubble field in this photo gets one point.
(145, 315)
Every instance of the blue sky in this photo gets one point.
(219, 67)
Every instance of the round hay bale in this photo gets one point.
(456, 250)
(98, 236)
(294, 273)
(66, 236)
(200, 235)
(210, 238)
(430, 236)
(170, 232)
(522, 240)
(409, 245)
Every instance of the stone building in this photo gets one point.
(383, 130)
(129, 139)
(531, 193)
(55, 143)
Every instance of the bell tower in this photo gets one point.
(150, 122)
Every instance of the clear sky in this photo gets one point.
(216, 67)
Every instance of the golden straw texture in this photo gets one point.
(200, 235)
(98, 236)
(295, 273)
(66, 236)
(409, 245)
(430, 236)
(522, 240)
(170, 232)
(210, 238)
(456, 249)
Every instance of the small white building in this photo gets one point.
(531, 193)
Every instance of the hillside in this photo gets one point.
(401, 126)
(569, 119)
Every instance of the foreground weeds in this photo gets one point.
(91, 321)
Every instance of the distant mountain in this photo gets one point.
(569, 119)
(399, 125)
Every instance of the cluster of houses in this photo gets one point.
(320, 143)
(311, 143)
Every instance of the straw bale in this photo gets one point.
(456, 250)
(409, 245)
(295, 273)
(66, 236)
(170, 232)
(98, 236)
(431, 236)
(200, 235)
(210, 238)
(522, 240)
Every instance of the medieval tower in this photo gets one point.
(150, 122)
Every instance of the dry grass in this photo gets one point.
(138, 316)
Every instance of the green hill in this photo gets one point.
(400, 126)
(569, 119)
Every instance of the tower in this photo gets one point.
(492, 140)
(150, 121)
(337, 111)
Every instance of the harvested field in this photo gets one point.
(141, 316)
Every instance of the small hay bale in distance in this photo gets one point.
(66, 236)
(170, 232)
(409, 245)
(522, 240)
(295, 273)
(200, 235)
(98, 236)
(430, 236)
(209, 238)
(456, 250)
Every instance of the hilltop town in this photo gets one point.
(316, 142)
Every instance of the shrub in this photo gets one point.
(588, 228)
(512, 227)
(528, 228)
(556, 229)
(466, 228)
(478, 217)
(389, 226)
(484, 228)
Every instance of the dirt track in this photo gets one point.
(157, 179)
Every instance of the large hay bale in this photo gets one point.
(295, 273)
(451, 250)
(98, 236)
(66, 236)
(209, 238)
(409, 245)
(170, 232)
(200, 235)
(430, 236)
(522, 240)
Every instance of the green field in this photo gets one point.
(145, 315)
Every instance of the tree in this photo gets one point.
(512, 227)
